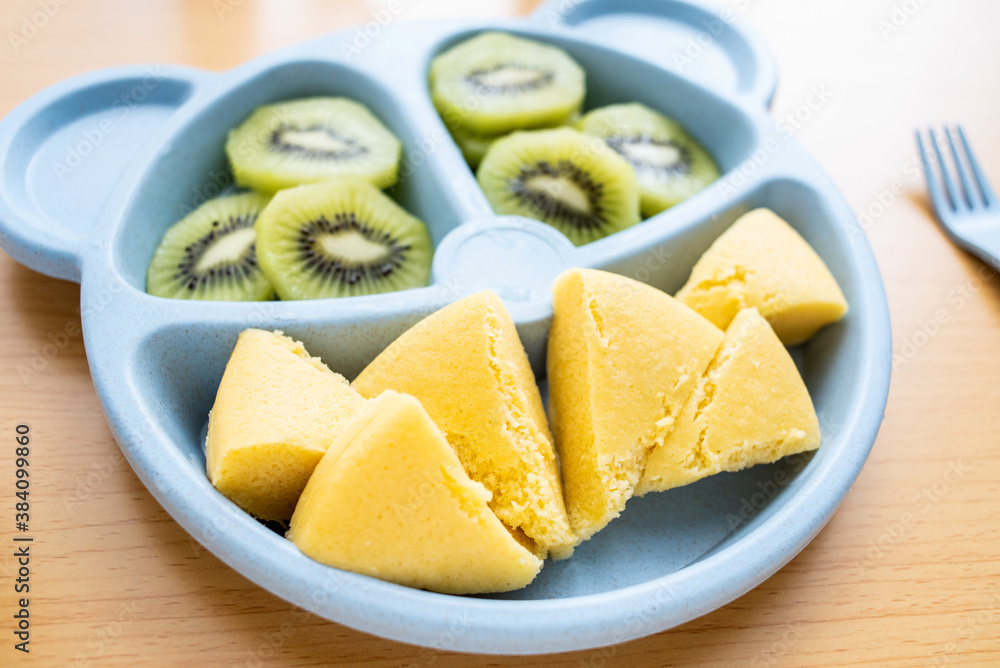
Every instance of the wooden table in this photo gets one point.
(908, 571)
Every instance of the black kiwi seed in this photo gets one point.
(517, 84)
(243, 265)
(343, 269)
(312, 140)
(211, 254)
(485, 79)
(549, 204)
(352, 149)
(575, 183)
(341, 238)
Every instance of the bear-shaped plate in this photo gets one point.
(94, 170)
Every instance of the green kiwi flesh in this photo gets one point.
(341, 238)
(474, 146)
(562, 177)
(495, 83)
(669, 164)
(312, 140)
(211, 254)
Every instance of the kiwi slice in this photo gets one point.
(306, 141)
(564, 178)
(669, 164)
(341, 238)
(495, 83)
(474, 146)
(211, 254)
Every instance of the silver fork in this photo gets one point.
(969, 214)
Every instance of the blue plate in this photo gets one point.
(95, 169)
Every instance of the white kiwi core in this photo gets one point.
(510, 76)
(227, 249)
(653, 155)
(315, 140)
(353, 246)
(563, 189)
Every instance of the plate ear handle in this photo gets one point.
(697, 28)
(53, 239)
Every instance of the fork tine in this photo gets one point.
(981, 180)
(937, 196)
(970, 199)
(945, 174)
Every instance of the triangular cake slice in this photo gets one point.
(466, 365)
(751, 407)
(623, 358)
(761, 262)
(276, 412)
(391, 500)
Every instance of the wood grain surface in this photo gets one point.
(906, 574)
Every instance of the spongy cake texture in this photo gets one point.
(276, 412)
(623, 357)
(761, 262)
(391, 500)
(466, 365)
(751, 407)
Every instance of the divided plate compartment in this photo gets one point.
(94, 170)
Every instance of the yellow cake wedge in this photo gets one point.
(391, 500)
(276, 413)
(623, 357)
(761, 262)
(466, 365)
(751, 407)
